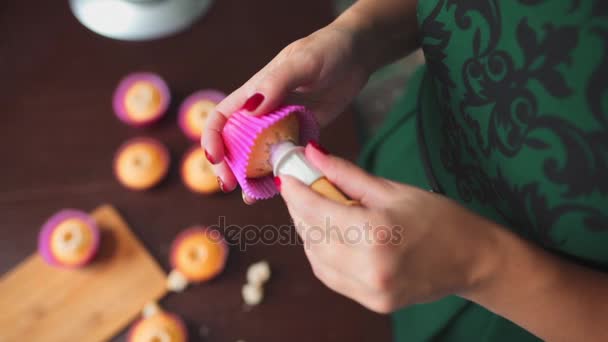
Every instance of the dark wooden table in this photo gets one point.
(58, 136)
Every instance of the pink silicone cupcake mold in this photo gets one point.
(240, 133)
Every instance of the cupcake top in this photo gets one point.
(69, 238)
(199, 253)
(71, 241)
(194, 111)
(141, 98)
(159, 327)
(142, 101)
(141, 163)
(197, 173)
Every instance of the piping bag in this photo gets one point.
(260, 147)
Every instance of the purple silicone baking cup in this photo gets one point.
(126, 83)
(241, 131)
(44, 237)
(214, 96)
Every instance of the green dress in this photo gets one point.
(509, 117)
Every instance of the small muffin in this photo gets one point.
(194, 111)
(199, 254)
(141, 163)
(158, 327)
(141, 98)
(70, 238)
(197, 173)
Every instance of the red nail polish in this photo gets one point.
(318, 147)
(277, 182)
(253, 102)
(209, 158)
(219, 181)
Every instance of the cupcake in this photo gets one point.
(197, 173)
(194, 111)
(70, 238)
(141, 99)
(157, 325)
(141, 163)
(248, 142)
(198, 254)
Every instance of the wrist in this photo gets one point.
(512, 267)
(488, 257)
(365, 43)
(383, 31)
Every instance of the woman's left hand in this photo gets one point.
(402, 245)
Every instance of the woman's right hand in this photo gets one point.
(323, 71)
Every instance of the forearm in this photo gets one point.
(384, 30)
(551, 297)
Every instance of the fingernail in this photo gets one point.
(318, 147)
(219, 181)
(277, 183)
(209, 158)
(246, 199)
(253, 102)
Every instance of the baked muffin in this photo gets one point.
(199, 254)
(197, 173)
(195, 109)
(141, 98)
(141, 163)
(70, 238)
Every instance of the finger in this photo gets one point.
(337, 281)
(314, 209)
(247, 200)
(211, 139)
(346, 261)
(225, 177)
(341, 281)
(348, 177)
(282, 78)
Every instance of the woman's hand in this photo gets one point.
(321, 71)
(403, 245)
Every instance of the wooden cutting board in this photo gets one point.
(42, 303)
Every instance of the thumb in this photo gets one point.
(348, 177)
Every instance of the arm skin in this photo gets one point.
(384, 30)
(446, 249)
(547, 295)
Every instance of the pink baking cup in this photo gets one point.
(240, 133)
(214, 96)
(126, 83)
(44, 237)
